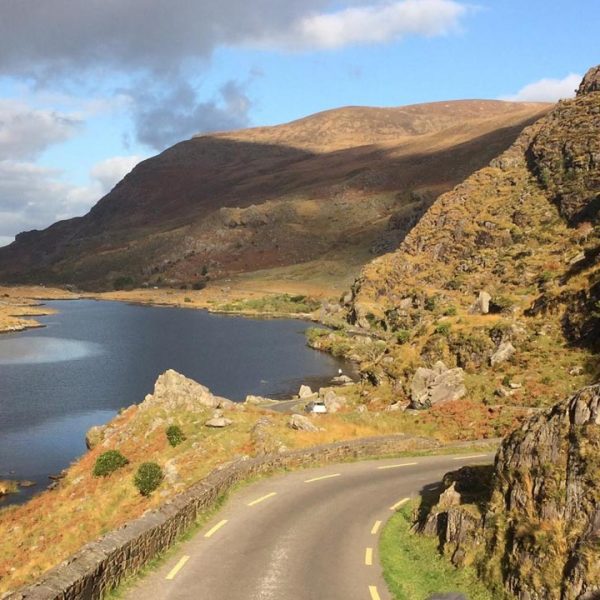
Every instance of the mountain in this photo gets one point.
(342, 185)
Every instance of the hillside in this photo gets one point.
(336, 188)
(492, 301)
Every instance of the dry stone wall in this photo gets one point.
(101, 565)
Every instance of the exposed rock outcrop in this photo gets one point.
(436, 386)
(302, 423)
(534, 527)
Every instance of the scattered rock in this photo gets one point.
(342, 380)
(482, 304)
(26, 483)
(333, 402)
(302, 423)
(94, 436)
(504, 352)
(361, 408)
(397, 406)
(436, 386)
(218, 422)
(305, 392)
(257, 400)
(576, 371)
(515, 386)
(171, 473)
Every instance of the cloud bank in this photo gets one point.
(547, 90)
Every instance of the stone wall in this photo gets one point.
(101, 565)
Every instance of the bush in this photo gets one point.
(450, 311)
(175, 435)
(199, 285)
(187, 299)
(443, 328)
(403, 336)
(108, 462)
(148, 477)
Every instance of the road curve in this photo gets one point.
(308, 535)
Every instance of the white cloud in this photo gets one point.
(110, 171)
(25, 132)
(375, 23)
(547, 90)
(33, 197)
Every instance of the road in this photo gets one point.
(307, 535)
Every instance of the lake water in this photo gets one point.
(93, 358)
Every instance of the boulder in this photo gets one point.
(503, 353)
(436, 386)
(94, 436)
(218, 422)
(257, 400)
(173, 391)
(482, 304)
(305, 392)
(302, 423)
(342, 380)
(333, 402)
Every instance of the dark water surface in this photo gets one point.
(93, 358)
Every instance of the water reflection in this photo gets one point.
(39, 350)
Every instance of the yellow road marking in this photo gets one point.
(323, 477)
(468, 457)
(215, 528)
(396, 466)
(369, 557)
(376, 527)
(266, 497)
(399, 503)
(177, 567)
(374, 593)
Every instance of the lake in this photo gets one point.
(94, 357)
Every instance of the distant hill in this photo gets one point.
(348, 182)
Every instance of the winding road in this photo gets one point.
(308, 535)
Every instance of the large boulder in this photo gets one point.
(305, 392)
(173, 391)
(482, 304)
(302, 423)
(436, 386)
(503, 353)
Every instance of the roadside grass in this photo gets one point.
(413, 568)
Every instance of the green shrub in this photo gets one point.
(187, 299)
(108, 462)
(442, 328)
(175, 435)
(450, 311)
(148, 477)
(431, 303)
(403, 336)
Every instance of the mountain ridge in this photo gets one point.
(238, 201)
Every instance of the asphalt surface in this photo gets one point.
(309, 535)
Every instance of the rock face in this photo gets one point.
(533, 525)
(544, 515)
(591, 82)
(175, 391)
(436, 386)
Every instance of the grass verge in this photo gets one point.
(413, 568)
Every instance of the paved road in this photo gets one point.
(308, 535)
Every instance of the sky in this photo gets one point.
(88, 88)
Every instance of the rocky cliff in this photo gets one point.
(533, 527)
(500, 277)
(338, 185)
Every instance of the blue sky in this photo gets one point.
(89, 89)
